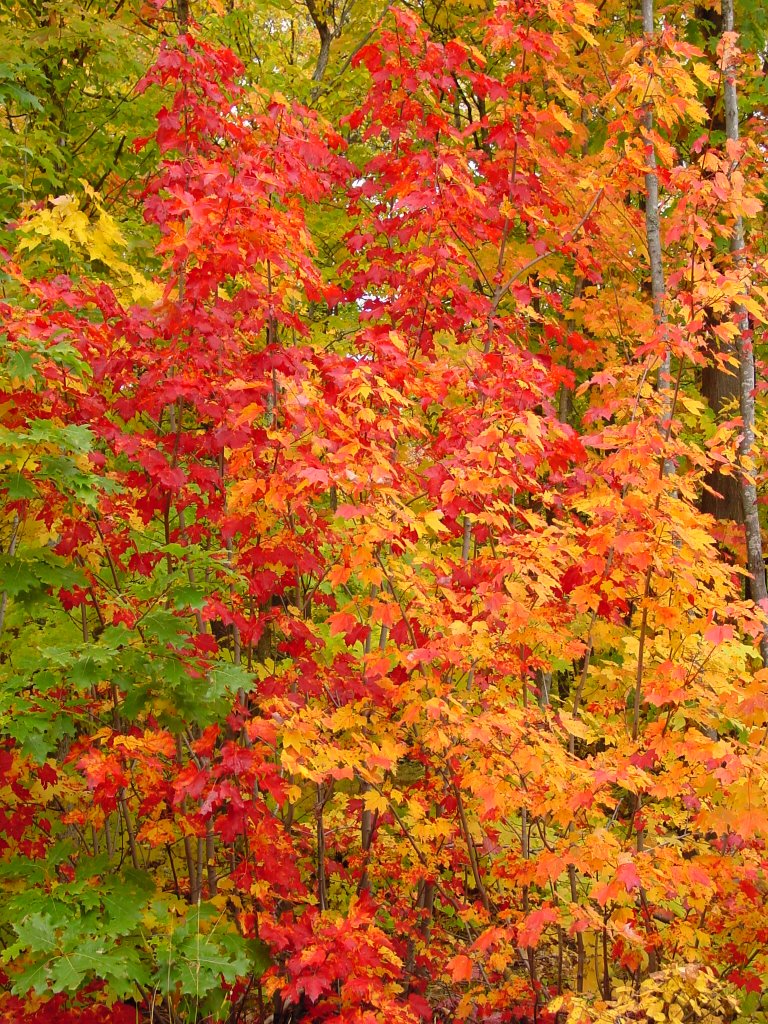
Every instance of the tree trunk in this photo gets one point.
(754, 539)
(326, 38)
(721, 497)
(652, 218)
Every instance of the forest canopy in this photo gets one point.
(383, 608)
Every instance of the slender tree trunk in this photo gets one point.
(324, 54)
(653, 240)
(721, 388)
(721, 496)
(653, 229)
(754, 539)
(326, 34)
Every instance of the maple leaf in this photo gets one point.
(716, 635)
(627, 874)
(534, 924)
(460, 967)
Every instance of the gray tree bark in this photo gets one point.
(653, 237)
(755, 562)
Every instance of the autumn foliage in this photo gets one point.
(366, 655)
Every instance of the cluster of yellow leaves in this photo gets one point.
(87, 230)
(687, 993)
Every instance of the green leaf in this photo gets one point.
(69, 971)
(19, 365)
(189, 597)
(33, 979)
(16, 577)
(85, 672)
(125, 902)
(36, 933)
(258, 953)
(204, 963)
(165, 627)
(125, 970)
